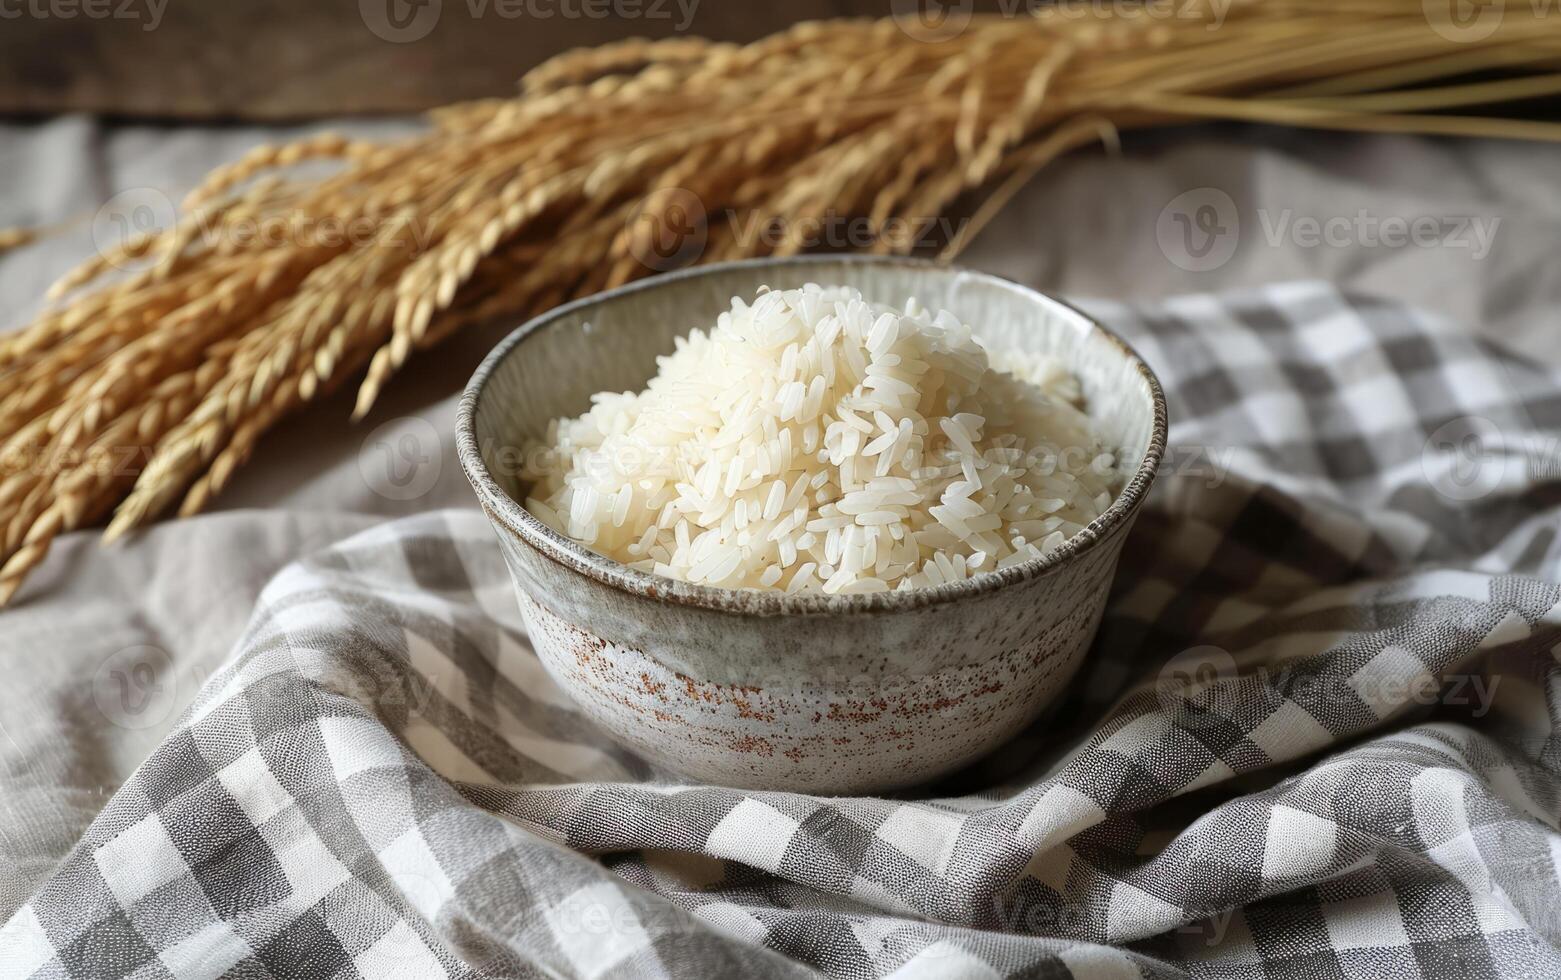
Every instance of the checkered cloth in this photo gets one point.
(1317, 737)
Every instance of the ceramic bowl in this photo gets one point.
(759, 689)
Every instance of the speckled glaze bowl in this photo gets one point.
(824, 694)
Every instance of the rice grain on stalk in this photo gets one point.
(175, 352)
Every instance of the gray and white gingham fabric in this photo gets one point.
(1317, 737)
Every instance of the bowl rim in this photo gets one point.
(512, 514)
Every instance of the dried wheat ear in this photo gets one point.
(164, 360)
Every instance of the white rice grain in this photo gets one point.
(812, 441)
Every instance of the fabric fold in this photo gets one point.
(1315, 736)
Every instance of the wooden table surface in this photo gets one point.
(291, 59)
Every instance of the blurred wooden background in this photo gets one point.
(282, 59)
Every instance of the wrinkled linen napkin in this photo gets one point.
(1315, 738)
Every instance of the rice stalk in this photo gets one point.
(176, 350)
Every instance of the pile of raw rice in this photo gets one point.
(813, 441)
